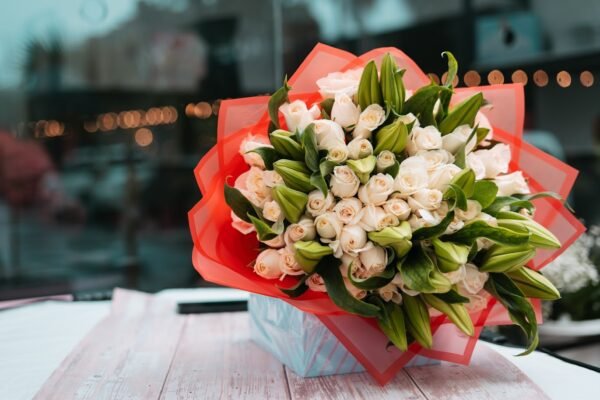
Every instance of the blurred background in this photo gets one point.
(107, 106)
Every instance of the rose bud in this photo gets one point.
(417, 320)
(348, 210)
(450, 256)
(302, 230)
(456, 312)
(328, 225)
(318, 203)
(249, 144)
(396, 237)
(297, 115)
(295, 174)
(338, 153)
(374, 260)
(289, 265)
(308, 254)
(377, 190)
(344, 111)
(502, 258)
(369, 120)
(363, 167)
(511, 184)
(352, 238)
(385, 160)
(291, 202)
(533, 284)
(344, 182)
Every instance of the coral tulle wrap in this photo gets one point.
(222, 255)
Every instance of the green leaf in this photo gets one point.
(452, 68)
(393, 170)
(311, 153)
(452, 297)
(326, 106)
(374, 282)
(445, 97)
(369, 91)
(391, 322)
(317, 180)
(466, 181)
(285, 145)
(264, 230)
(484, 192)
(460, 158)
(541, 195)
(276, 100)
(434, 231)
(328, 269)
(519, 308)
(268, 155)
(477, 229)
(458, 197)
(422, 103)
(463, 114)
(239, 204)
(298, 289)
(420, 273)
(482, 134)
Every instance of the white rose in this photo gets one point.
(340, 83)
(353, 290)
(353, 262)
(277, 242)
(477, 302)
(374, 260)
(374, 218)
(370, 119)
(302, 230)
(344, 182)
(328, 225)
(474, 280)
(268, 264)
(452, 141)
(250, 143)
(348, 210)
(425, 199)
(298, 116)
(495, 160)
(476, 165)
(385, 159)
(441, 177)
(377, 190)
(390, 292)
(289, 265)
(353, 238)
(272, 179)
(258, 192)
(272, 211)
(431, 218)
(412, 176)
(511, 184)
(328, 134)
(473, 210)
(428, 138)
(316, 283)
(338, 153)
(344, 111)
(359, 148)
(397, 207)
(398, 281)
(318, 204)
(435, 158)
(240, 225)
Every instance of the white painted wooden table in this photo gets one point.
(143, 350)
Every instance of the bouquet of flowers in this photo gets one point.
(408, 207)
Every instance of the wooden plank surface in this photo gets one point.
(217, 360)
(126, 356)
(144, 350)
(489, 376)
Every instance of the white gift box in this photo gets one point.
(301, 342)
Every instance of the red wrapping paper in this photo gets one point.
(223, 255)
